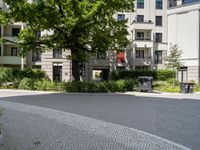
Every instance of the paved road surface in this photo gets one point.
(177, 120)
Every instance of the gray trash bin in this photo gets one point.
(186, 87)
(145, 83)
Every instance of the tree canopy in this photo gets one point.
(82, 26)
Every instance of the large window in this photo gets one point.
(140, 36)
(139, 54)
(158, 57)
(36, 56)
(158, 20)
(140, 3)
(15, 31)
(159, 4)
(120, 17)
(158, 37)
(57, 53)
(140, 18)
(14, 51)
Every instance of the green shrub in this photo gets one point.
(105, 86)
(197, 87)
(134, 74)
(44, 85)
(7, 75)
(32, 73)
(27, 84)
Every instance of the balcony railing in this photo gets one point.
(143, 38)
(142, 21)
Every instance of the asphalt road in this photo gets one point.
(177, 120)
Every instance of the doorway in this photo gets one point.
(57, 73)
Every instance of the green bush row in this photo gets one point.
(14, 75)
(162, 75)
(105, 86)
(84, 87)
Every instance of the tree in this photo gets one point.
(83, 26)
(173, 59)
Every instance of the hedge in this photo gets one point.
(133, 74)
(13, 75)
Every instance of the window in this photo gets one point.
(36, 56)
(158, 37)
(101, 55)
(158, 20)
(140, 54)
(158, 57)
(159, 4)
(140, 18)
(140, 3)
(120, 17)
(14, 51)
(140, 36)
(141, 68)
(57, 53)
(38, 34)
(15, 31)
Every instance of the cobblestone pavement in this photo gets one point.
(36, 128)
(174, 118)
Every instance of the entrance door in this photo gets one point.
(57, 73)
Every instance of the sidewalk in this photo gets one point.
(166, 95)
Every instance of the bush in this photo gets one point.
(32, 73)
(134, 74)
(7, 75)
(27, 84)
(44, 85)
(105, 86)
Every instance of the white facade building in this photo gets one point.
(148, 34)
(184, 30)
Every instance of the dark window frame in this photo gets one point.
(121, 17)
(57, 53)
(159, 21)
(158, 38)
(15, 31)
(159, 4)
(139, 54)
(158, 57)
(140, 4)
(14, 51)
(36, 56)
(140, 18)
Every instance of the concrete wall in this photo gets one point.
(184, 30)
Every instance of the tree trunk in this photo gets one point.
(75, 64)
(75, 70)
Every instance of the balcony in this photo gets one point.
(144, 42)
(144, 25)
(10, 39)
(143, 61)
(11, 60)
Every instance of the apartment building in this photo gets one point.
(147, 28)
(184, 30)
(54, 62)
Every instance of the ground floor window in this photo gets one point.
(141, 68)
(158, 57)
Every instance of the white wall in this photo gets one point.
(183, 29)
